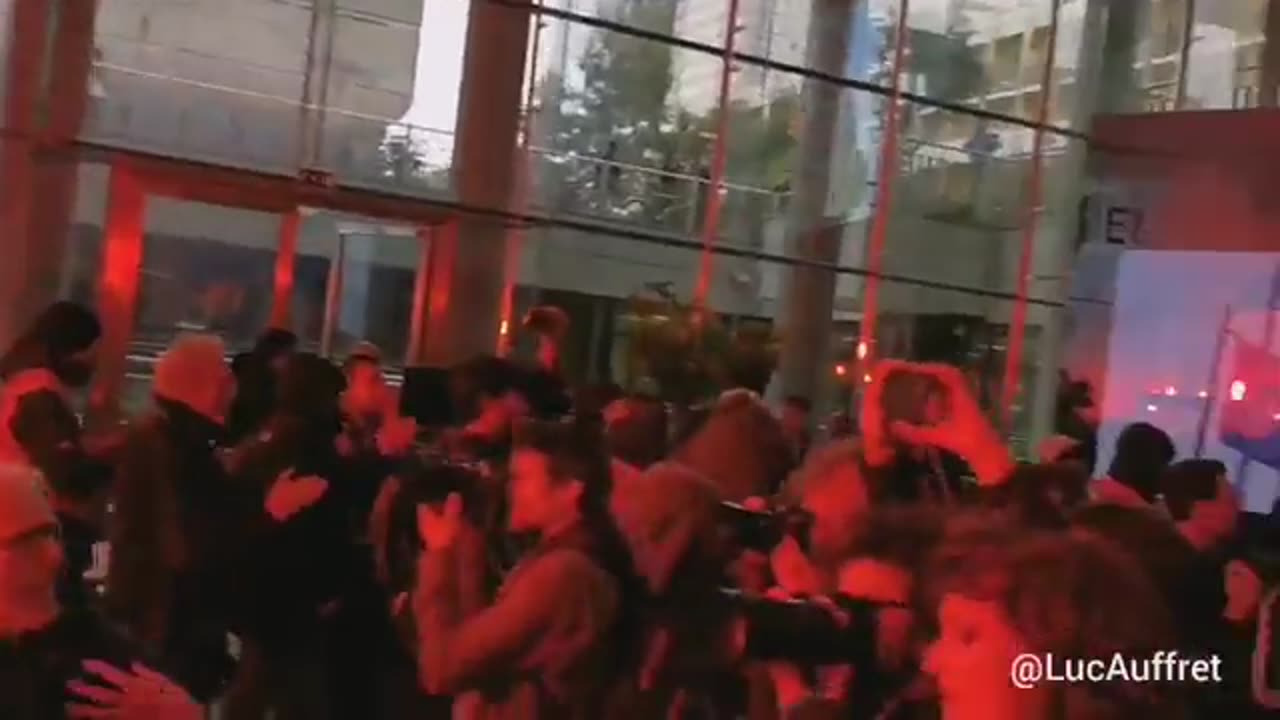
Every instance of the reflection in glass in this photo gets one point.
(82, 255)
(1224, 63)
(205, 268)
(170, 82)
(353, 282)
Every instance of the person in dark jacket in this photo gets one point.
(256, 376)
(173, 563)
(38, 427)
(303, 561)
(1143, 451)
(53, 661)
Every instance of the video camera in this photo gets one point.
(762, 531)
(428, 478)
(834, 630)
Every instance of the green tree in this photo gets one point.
(687, 355)
(619, 116)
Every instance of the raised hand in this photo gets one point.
(793, 571)
(964, 430)
(439, 529)
(397, 436)
(290, 494)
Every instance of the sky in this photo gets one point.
(439, 71)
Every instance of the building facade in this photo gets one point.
(229, 165)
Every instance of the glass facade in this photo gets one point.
(857, 182)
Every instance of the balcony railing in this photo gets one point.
(189, 119)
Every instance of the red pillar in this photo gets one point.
(118, 289)
(286, 263)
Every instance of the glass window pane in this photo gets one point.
(379, 268)
(390, 113)
(6, 43)
(315, 263)
(1224, 69)
(623, 129)
(220, 80)
(82, 262)
(702, 21)
(379, 265)
(566, 268)
(988, 55)
(959, 199)
(205, 268)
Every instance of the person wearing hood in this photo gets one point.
(1143, 451)
(256, 376)
(38, 427)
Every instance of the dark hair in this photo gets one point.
(640, 438)
(309, 385)
(480, 378)
(1142, 453)
(1189, 481)
(1192, 593)
(60, 331)
(1041, 495)
(575, 451)
(903, 535)
(594, 398)
(275, 342)
(1059, 590)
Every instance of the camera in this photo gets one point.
(762, 531)
(835, 630)
(427, 478)
(430, 477)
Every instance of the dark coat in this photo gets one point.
(541, 650)
(297, 567)
(173, 565)
(36, 667)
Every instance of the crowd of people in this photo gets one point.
(287, 538)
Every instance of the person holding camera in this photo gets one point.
(546, 647)
(704, 639)
(923, 431)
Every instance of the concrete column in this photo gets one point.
(1112, 53)
(46, 92)
(1104, 75)
(814, 231)
(471, 259)
(315, 84)
(17, 141)
(1269, 92)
